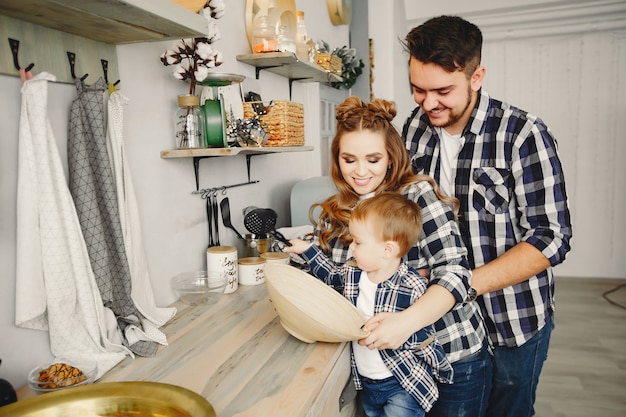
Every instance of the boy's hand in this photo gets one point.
(297, 246)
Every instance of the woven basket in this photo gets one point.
(330, 63)
(284, 122)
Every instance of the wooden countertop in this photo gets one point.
(236, 354)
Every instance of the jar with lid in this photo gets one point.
(284, 42)
(189, 123)
(263, 36)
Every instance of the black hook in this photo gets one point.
(15, 48)
(71, 57)
(105, 70)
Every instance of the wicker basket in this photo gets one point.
(330, 63)
(284, 122)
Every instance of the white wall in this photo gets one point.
(562, 60)
(173, 220)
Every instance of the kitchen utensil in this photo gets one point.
(115, 398)
(263, 221)
(209, 218)
(216, 220)
(309, 309)
(225, 206)
(259, 221)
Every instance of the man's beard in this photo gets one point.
(455, 117)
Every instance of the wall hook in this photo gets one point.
(105, 70)
(71, 57)
(15, 48)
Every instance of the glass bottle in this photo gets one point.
(189, 123)
(284, 42)
(263, 36)
(302, 48)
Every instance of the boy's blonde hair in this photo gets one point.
(394, 217)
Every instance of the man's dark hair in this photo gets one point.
(447, 41)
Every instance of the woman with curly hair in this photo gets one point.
(369, 157)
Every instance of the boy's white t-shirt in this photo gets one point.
(450, 146)
(368, 362)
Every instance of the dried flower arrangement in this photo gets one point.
(193, 58)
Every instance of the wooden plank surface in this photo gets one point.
(236, 354)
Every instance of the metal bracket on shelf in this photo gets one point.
(196, 169)
(291, 80)
(257, 70)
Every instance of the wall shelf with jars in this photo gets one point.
(289, 66)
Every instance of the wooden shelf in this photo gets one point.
(289, 66)
(249, 152)
(110, 21)
(213, 152)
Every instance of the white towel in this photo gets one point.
(55, 286)
(142, 293)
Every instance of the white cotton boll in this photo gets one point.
(206, 12)
(179, 72)
(201, 73)
(188, 65)
(204, 50)
(214, 32)
(169, 58)
(217, 5)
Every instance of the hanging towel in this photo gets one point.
(55, 286)
(142, 293)
(93, 187)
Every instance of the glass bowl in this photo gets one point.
(199, 288)
(60, 375)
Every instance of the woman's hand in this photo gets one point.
(297, 246)
(391, 330)
(388, 330)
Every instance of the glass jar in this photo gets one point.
(284, 42)
(263, 36)
(189, 123)
(302, 47)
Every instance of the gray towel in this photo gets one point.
(92, 185)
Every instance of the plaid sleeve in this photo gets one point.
(540, 191)
(440, 248)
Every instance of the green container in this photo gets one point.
(214, 124)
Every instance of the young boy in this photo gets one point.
(398, 382)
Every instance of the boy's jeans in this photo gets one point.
(387, 398)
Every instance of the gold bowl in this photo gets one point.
(119, 399)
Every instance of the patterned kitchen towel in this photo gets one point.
(93, 186)
(55, 286)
